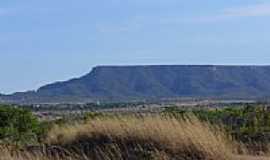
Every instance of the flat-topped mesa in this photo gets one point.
(162, 81)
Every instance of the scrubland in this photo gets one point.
(134, 137)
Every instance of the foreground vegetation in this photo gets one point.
(135, 138)
(213, 134)
(247, 124)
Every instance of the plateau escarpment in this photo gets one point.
(123, 83)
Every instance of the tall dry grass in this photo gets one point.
(131, 138)
(134, 138)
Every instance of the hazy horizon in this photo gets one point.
(46, 41)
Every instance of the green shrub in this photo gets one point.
(17, 126)
(247, 123)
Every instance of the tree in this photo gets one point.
(17, 125)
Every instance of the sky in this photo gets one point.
(55, 40)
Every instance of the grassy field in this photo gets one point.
(135, 138)
(171, 135)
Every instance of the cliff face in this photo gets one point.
(128, 82)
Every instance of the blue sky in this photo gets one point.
(53, 40)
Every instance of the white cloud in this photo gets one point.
(256, 10)
(248, 11)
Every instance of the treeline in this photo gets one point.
(84, 107)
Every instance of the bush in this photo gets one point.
(17, 126)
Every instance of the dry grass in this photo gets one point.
(186, 139)
(132, 138)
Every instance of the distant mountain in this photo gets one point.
(124, 83)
